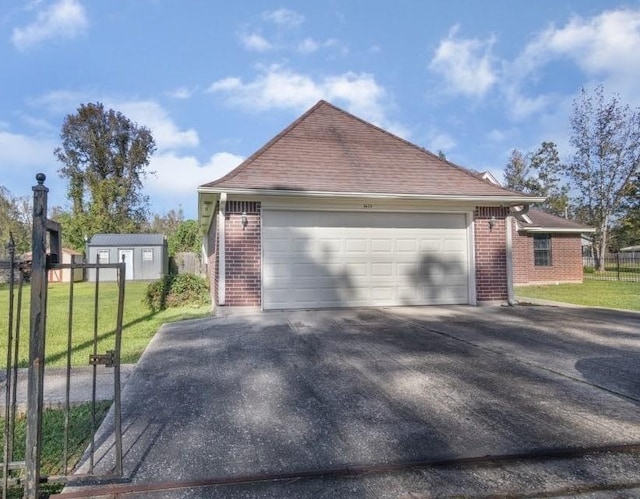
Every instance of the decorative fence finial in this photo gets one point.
(41, 177)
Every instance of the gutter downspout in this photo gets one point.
(509, 235)
(509, 254)
(222, 271)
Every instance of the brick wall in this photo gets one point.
(242, 254)
(491, 260)
(566, 259)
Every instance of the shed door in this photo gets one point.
(316, 259)
(128, 259)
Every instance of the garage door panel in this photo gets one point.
(382, 269)
(406, 245)
(277, 245)
(357, 245)
(382, 246)
(332, 259)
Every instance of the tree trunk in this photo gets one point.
(602, 249)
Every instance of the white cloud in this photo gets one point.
(165, 132)
(39, 124)
(226, 84)
(309, 45)
(440, 141)
(520, 106)
(22, 151)
(181, 175)
(65, 19)
(467, 65)
(603, 47)
(602, 44)
(21, 157)
(61, 101)
(255, 41)
(284, 17)
(280, 88)
(146, 113)
(496, 135)
(181, 93)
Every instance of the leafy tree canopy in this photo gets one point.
(15, 218)
(605, 167)
(105, 158)
(185, 238)
(540, 174)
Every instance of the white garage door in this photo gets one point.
(315, 259)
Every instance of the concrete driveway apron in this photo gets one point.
(289, 394)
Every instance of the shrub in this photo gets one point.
(177, 290)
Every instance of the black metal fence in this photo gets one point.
(27, 472)
(623, 266)
(10, 269)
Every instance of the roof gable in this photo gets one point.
(330, 150)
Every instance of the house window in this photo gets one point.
(147, 255)
(103, 256)
(542, 250)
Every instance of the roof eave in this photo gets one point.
(206, 207)
(556, 230)
(505, 200)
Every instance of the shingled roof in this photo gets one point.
(329, 150)
(546, 222)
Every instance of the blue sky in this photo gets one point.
(215, 80)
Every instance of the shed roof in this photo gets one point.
(127, 240)
(328, 150)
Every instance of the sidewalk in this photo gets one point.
(81, 385)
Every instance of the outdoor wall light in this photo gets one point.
(244, 220)
(492, 222)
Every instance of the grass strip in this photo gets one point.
(52, 453)
(139, 324)
(607, 294)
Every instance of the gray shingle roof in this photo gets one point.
(127, 240)
(542, 220)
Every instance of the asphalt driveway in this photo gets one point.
(415, 397)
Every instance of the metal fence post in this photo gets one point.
(618, 264)
(35, 383)
(8, 423)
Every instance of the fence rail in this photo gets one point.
(617, 267)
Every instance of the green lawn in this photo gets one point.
(52, 460)
(608, 294)
(139, 323)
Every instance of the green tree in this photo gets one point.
(545, 161)
(185, 238)
(15, 218)
(606, 161)
(517, 172)
(166, 224)
(106, 158)
(539, 174)
(626, 232)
